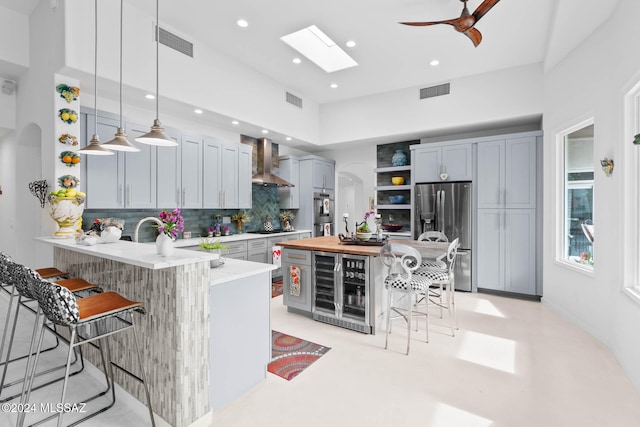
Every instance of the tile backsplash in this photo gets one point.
(265, 201)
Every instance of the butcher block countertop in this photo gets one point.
(331, 244)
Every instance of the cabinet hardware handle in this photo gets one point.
(120, 195)
(177, 196)
(184, 195)
(128, 195)
(297, 256)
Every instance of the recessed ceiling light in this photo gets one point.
(351, 43)
(333, 85)
(288, 138)
(265, 131)
(150, 96)
(235, 122)
(297, 60)
(197, 111)
(319, 48)
(434, 62)
(242, 23)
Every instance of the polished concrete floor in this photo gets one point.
(513, 363)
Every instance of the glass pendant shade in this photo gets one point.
(156, 136)
(95, 148)
(120, 142)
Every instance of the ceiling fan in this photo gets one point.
(465, 23)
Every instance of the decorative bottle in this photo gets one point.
(399, 158)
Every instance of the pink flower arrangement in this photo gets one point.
(172, 223)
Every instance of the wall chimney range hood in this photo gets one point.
(264, 175)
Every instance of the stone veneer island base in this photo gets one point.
(198, 355)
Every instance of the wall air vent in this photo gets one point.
(176, 43)
(294, 100)
(430, 92)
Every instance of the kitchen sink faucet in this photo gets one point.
(149, 218)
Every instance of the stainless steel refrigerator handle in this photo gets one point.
(441, 213)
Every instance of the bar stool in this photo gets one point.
(443, 285)
(89, 319)
(18, 276)
(400, 262)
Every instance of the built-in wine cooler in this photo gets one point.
(342, 291)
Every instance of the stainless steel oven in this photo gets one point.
(323, 211)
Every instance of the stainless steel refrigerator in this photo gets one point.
(446, 207)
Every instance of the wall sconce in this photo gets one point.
(636, 139)
(607, 166)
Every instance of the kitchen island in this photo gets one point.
(206, 337)
(335, 283)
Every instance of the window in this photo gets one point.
(577, 196)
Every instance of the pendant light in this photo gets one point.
(94, 147)
(157, 136)
(120, 141)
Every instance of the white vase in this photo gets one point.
(164, 245)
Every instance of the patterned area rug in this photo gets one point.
(276, 289)
(291, 355)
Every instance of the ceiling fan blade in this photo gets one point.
(484, 7)
(474, 35)
(425, 24)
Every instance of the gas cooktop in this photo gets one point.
(266, 232)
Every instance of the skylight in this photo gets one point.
(320, 49)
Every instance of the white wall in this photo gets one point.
(14, 39)
(209, 80)
(474, 100)
(590, 82)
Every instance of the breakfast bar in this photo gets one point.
(198, 356)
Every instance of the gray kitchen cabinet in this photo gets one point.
(236, 250)
(227, 175)
(302, 260)
(191, 172)
(169, 174)
(257, 250)
(140, 172)
(507, 173)
(289, 170)
(123, 180)
(430, 161)
(321, 171)
(245, 158)
(506, 250)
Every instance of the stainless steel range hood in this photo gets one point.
(264, 175)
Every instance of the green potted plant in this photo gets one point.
(211, 245)
(363, 232)
(239, 218)
(286, 217)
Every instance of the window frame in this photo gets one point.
(562, 186)
(631, 191)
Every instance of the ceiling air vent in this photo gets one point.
(294, 100)
(430, 92)
(176, 43)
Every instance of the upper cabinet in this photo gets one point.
(323, 173)
(290, 171)
(191, 175)
(435, 162)
(507, 173)
(123, 180)
(227, 175)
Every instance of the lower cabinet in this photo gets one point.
(257, 250)
(506, 250)
(237, 250)
(297, 283)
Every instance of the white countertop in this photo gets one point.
(140, 254)
(194, 241)
(233, 269)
